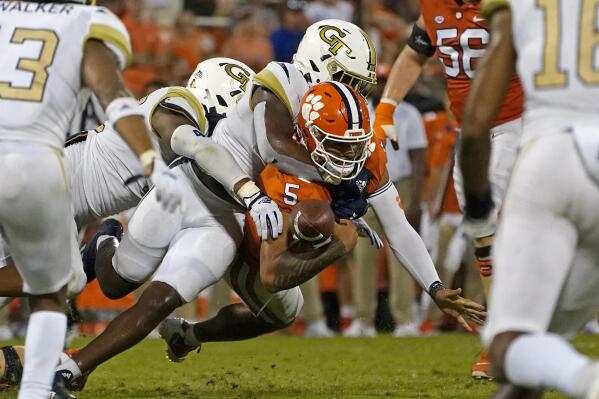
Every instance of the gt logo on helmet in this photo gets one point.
(334, 39)
(238, 73)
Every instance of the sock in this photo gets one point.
(43, 344)
(71, 366)
(484, 260)
(348, 311)
(545, 361)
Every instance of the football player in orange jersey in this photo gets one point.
(335, 130)
(456, 32)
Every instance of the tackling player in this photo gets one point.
(104, 170)
(50, 52)
(457, 33)
(547, 248)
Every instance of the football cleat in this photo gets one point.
(173, 332)
(482, 369)
(109, 227)
(359, 329)
(62, 380)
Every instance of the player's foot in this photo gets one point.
(359, 329)
(406, 330)
(63, 379)
(318, 329)
(173, 332)
(109, 227)
(482, 369)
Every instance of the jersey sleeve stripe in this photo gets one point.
(380, 190)
(110, 35)
(268, 79)
(490, 7)
(191, 100)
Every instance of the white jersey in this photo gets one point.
(100, 162)
(558, 64)
(237, 132)
(40, 72)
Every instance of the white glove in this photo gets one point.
(264, 211)
(364, 230)
(166, 184)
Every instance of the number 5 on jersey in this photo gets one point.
(291, 197)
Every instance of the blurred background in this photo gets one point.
(367, 293)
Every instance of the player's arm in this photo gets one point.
(405, 72)
(178, 136)
(409, 249)
(274, 135)
(485, 99)
(281, 269)
(102, 75)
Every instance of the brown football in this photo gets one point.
(312, 222)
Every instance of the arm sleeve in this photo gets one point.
(210, 156)
(269, 155)
(405, 243)
(106, 27)
(420, 42)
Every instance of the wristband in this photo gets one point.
(387, 100)
(122, 107)
(434, 288)
(247, 191)
(478, 207)
(147, 158)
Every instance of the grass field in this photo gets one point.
(286, 367)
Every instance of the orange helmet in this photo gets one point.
(334, 126)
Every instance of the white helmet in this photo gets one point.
(219, 82)
(337, 50)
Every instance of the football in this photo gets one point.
(312, 223)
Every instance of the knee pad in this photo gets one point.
(135, 262)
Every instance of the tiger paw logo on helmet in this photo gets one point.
(311, 107)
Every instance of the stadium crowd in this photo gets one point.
(365, 293)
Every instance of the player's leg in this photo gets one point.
(262, 312)
(196, 259)
(535, 255)
(120, 269)
(35, 213)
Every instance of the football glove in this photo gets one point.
(384, 126)
(166, 184)
(364, 230)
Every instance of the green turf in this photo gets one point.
(285, 367)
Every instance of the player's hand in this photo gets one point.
(346, 232)
(266, 214)
(166, 184)
(451, 303)
(384, 127)
(364, 230)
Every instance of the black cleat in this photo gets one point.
(61, 384)
(110, 227)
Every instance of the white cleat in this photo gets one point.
(173, 332)
(318, 329)
(357, 329)
(406, 330)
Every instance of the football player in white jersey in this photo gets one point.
(50, 52)
(104, 170)
(547, 248)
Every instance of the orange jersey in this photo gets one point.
(287, 190)
(460, 35)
